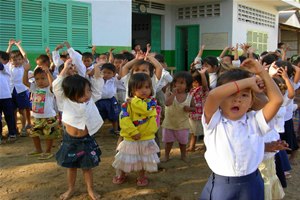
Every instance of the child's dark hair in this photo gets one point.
(211, 60)
(242, 58)
(128, 56)
(38, 70)
(64, 56)
(280, 44)
(296, 62)
(142, 62)
(119, 56)
(78, 51)
(42, 58)
(160, 58)
(268, 59)
(275, 56)
(230, 56)
(197, 77)
(280, 82)
(136, 81)
(109, 66)
(61, 67)
(15, 53)
(233, 74)
(4, 56)
(74, 86)
(283, 64)
(183, 75)
(87, 55)
(103, 54)
(264, 53)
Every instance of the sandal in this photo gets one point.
(142, 181)
(12, 138)
(118, 180)
(33, 154)
(45, 156)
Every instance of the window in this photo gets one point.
(202, 11)
(41, 23)
(258, 40)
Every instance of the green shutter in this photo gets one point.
(155, 33)
(8, 23)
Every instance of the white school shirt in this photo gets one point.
(164, 80)
(75, 114)
(5, 91)
(110, 87)
(212, 76)
(279, 117)
(235, 148)
(77, 61)
(289, 109)
(155, 83)
(16, 79)
(42, 103)
(57, 62)
(270, 136)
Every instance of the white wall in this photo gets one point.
(111, 22)
(239, 34)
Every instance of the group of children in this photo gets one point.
(240, 106)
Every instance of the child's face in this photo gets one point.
(87, 61)
(102, 58)
(195, 84)
(209, 68)
(143, 91)
(141, 69)
(17, 61)
(117, 63)
(180, 85)
(40, 63)
(41, 80)
(235, 106)
(137, 48)
(107, 74)
(87, 95)
(227, 60)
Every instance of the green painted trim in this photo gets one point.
(169, 57)
(104, 49)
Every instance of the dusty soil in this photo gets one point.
(23, 178)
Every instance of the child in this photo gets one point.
(179, 105)
(87, 59)
(199, 92)
(5, 97)
(20, 97)
(119, 61)
(138, 150)
(108, 105)
(45, 122)
(81, 118)
(234, 136)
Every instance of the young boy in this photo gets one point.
(5, 98)
(19, 92)
(45, 122)
(87, 59)
(108, 105)
(121, 91)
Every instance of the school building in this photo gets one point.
(174, 28)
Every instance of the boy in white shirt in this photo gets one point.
(45, 122)
(5, 98)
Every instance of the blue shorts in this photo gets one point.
(109, 109)
(20, 100)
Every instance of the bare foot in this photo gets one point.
(185, 159)
(200, 148)
(67, 195)
(190, 150)
(165, 159)
(94, 195)
(293, 161)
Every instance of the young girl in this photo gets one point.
(138, 150)
(179, 104)
(199, 92)
(234, 136)
(81, 119)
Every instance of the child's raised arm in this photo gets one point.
(76, 59)
(56, 57)
(111, 56)
(49, 76)
(67, 66)
(197, 61)
(203, 79)
(129, 65)
(290, 88)
(156, 65)
(26, 66)
(170, 97)
(18, 44)
(224, 51)
(11, 42)
(273, 92)
(296, 78)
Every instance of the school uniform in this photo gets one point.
(6, 100)
(235, 149)
(160, 95)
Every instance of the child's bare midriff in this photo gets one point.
(76, 132)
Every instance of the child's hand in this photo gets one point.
(140, 56)
(253, 66)
(26, 65)
(124, 62)
(45, 69)
(236, 47)
(276, 145)
(251, 51)
(11, 42)
(68, 64)
(136, 137)
(175, 90)
(186, 108)
(201, 48)
(59, 46)
(111, 49)
(287, 47)
(260, 83)
(202, 71)
(67, 44)
(94, 48)
(47, 50)
(148, 47)
(283, 73)
(257, 85)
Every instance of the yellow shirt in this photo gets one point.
(138, 116)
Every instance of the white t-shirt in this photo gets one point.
(110, 87)
(42, 103)
(235, 148)
(289, 109)
(5, 91)
(16, 78)
(164, 80)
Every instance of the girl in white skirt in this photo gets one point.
(138, 151)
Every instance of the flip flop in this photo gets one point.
(33, 154)
(118, 180)
(142, 181)
(45, 156)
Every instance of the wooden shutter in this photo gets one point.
(8, 23)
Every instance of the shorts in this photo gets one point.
(78, 152)
(49, 127)
(169, 135)
(20, 100)
(196, 127)
(108, 109)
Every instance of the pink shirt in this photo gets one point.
(199, 98)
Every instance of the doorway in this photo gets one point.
(186, 46)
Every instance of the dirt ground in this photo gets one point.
(23, 178)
